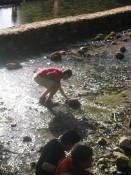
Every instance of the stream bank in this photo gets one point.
(35, 36)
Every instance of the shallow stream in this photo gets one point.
(105, 80)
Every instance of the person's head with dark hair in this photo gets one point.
(69, 138)
(81, 155)
(67, 74)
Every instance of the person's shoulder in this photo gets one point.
(53, 141)
(51, 144)
(58, 69)
(66, 160)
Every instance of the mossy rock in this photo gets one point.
(74, 103)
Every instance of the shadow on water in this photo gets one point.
(65, 119)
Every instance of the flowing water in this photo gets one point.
(21, 114)
(27, 12)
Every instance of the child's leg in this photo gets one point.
(52, 90)
(45, 93)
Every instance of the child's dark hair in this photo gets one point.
(70, 137)
(68, 72)
(80, 153)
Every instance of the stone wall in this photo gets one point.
(39, 34)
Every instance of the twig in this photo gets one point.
(114, 117)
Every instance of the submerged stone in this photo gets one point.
(27, 139)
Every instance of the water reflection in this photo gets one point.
(8, 17)
(14, 14)
(33, 11)
(56, 7)
(5, 15)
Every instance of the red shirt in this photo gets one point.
(66, 166)
(55, 73)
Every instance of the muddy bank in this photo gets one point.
(35, 36)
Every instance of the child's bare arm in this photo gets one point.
(63, 93)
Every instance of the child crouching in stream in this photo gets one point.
(50, 78)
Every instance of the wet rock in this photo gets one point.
(112, 34)
(117, 149)
(102, 166)
(27, 139)
(118, 36)
(119, 55)
(55, 56)
(62, 52)
(118, 154)
(13, 65)
(125, 142)
(82, 50)
(74, 103)
(103, 160)
(101, 141)
(13, 125)
(99, 37)
(32, 165)
(129, 30)
(122, 163)
(108, 37)
(122, 49)
(114, 43)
